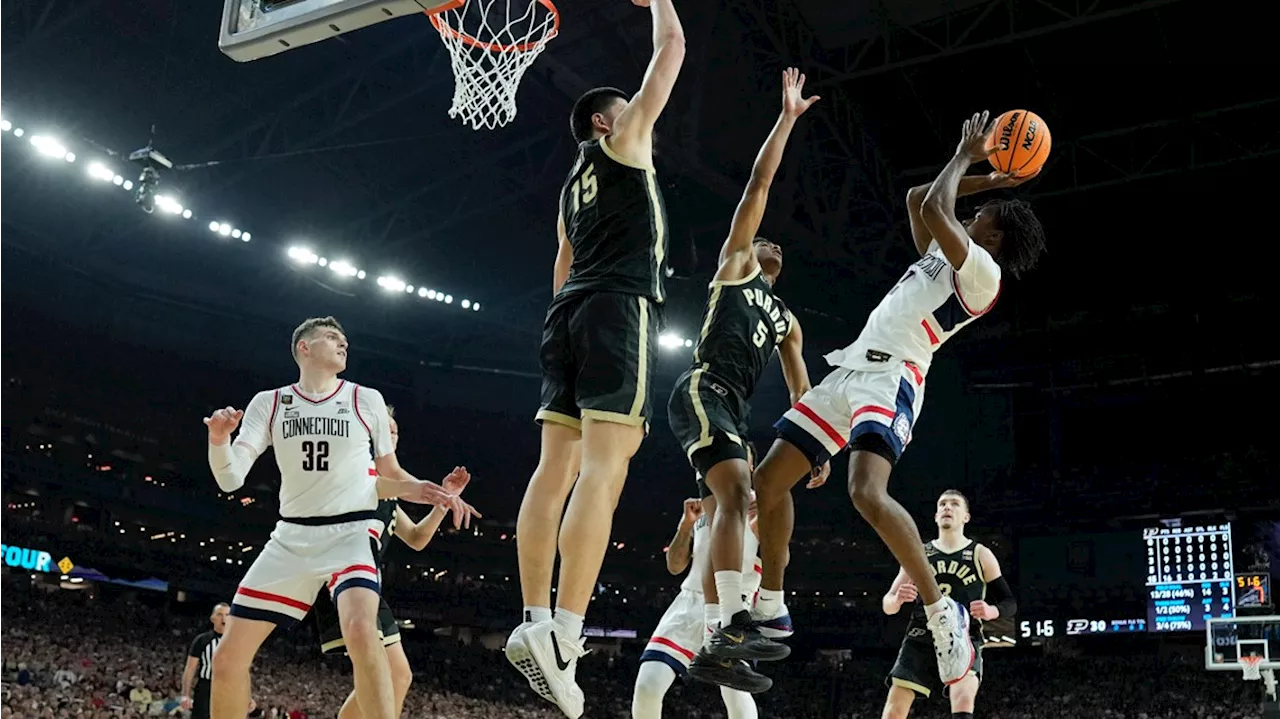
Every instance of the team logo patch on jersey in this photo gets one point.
(929, 549)
(902, 428)
(968, 555)
(286, 399)
(878, 356)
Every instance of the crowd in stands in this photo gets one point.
(74, 655)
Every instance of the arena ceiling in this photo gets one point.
(1160, 129)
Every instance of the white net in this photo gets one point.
(1252, 668)
(491, 43)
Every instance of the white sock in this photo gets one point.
(739, 705)
(568, 624)
(729, 587)
(936, 608)
(537, 614)
(652, 683)
(711, 614)
(769, 602)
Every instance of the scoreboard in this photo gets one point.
(1190, 576)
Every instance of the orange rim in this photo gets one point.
(489, 46)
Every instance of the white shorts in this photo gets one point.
(298, 561)
(680, 634)
(848, 404)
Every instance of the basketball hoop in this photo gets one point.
(491, 43)
(1252, 667)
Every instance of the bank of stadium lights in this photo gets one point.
(51, 147)
(672, 341)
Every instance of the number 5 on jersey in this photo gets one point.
(583, 191)
(315, 456)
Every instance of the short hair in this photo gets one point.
(217, 606)
(956, 493)
(1023, 234)
(308, 328)
(592, 101)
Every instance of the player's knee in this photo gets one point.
(898, 705)
(652, 682)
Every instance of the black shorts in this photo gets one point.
(200, 698)
(709, 420)
(917, 666)
(598, 354)
(331, 641)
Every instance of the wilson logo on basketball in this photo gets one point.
(1006, 132)
(1029, 138)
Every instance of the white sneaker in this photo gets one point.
(556, 658)
(777, 626)
(517, 651)
(951, 642)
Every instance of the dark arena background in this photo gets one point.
(1120, 395)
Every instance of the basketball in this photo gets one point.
(1022, 143)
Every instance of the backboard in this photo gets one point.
(254, 29)
(1228, 639)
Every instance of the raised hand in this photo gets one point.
(794, 103)
(456, 481)
(974, 135)
(222, 423)
(1003, 180)
(692, 510)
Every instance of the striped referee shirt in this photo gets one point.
(202, 649)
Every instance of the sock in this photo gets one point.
(740, 705)
(936, 608)
(961, 715)
(652, 683)
(711, 614)
(568, 624)
(537, 614)
(729, 587)
(769, 602)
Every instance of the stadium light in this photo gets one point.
(672, 341)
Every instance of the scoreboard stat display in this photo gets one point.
(1190, 577)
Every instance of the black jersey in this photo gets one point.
(616, 222)
(742, 327)
(202, 650)
(959, 576)
(386, 512)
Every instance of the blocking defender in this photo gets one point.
(967, 572)
(744, 324)
(597, 358)
(395, 522)
(323, 430)
(872, 399)
(686, 625)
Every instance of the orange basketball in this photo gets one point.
(1022, 142)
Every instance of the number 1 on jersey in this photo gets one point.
(315, 456)
(585, 188)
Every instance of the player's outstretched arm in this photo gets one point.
(632, 135)
(680, 549)
(999, 600)
(900, 592)
(939, 208)
(737, 259)
(564, 258)
(419, 534)
(969, 185)
(230, 461)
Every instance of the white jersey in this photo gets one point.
(927, 307)
(702, 545)
(322, 446)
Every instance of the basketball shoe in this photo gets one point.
(777, 626)
(555, 659)
(951, 642)
(517, 651)
(742, 639)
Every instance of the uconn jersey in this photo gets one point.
(928, 306)
(322, 446)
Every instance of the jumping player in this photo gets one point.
(323, 430)
(597, 358)
(395, 522)
(744, 324)
(871, 400)
(968, 573)
(687, 623)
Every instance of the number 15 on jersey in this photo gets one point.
(583, 191)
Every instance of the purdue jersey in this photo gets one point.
(702, 544)
(743, 325)
(959, 576)
(616, 222)
(387, 514)
(322, 446)
(928, 306)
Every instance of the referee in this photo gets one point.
(200, 664)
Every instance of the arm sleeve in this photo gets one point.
(231, 462)
(977, 282)
(371, 410)
(1001, 597)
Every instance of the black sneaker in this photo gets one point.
(728, 673)
(742, 640)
